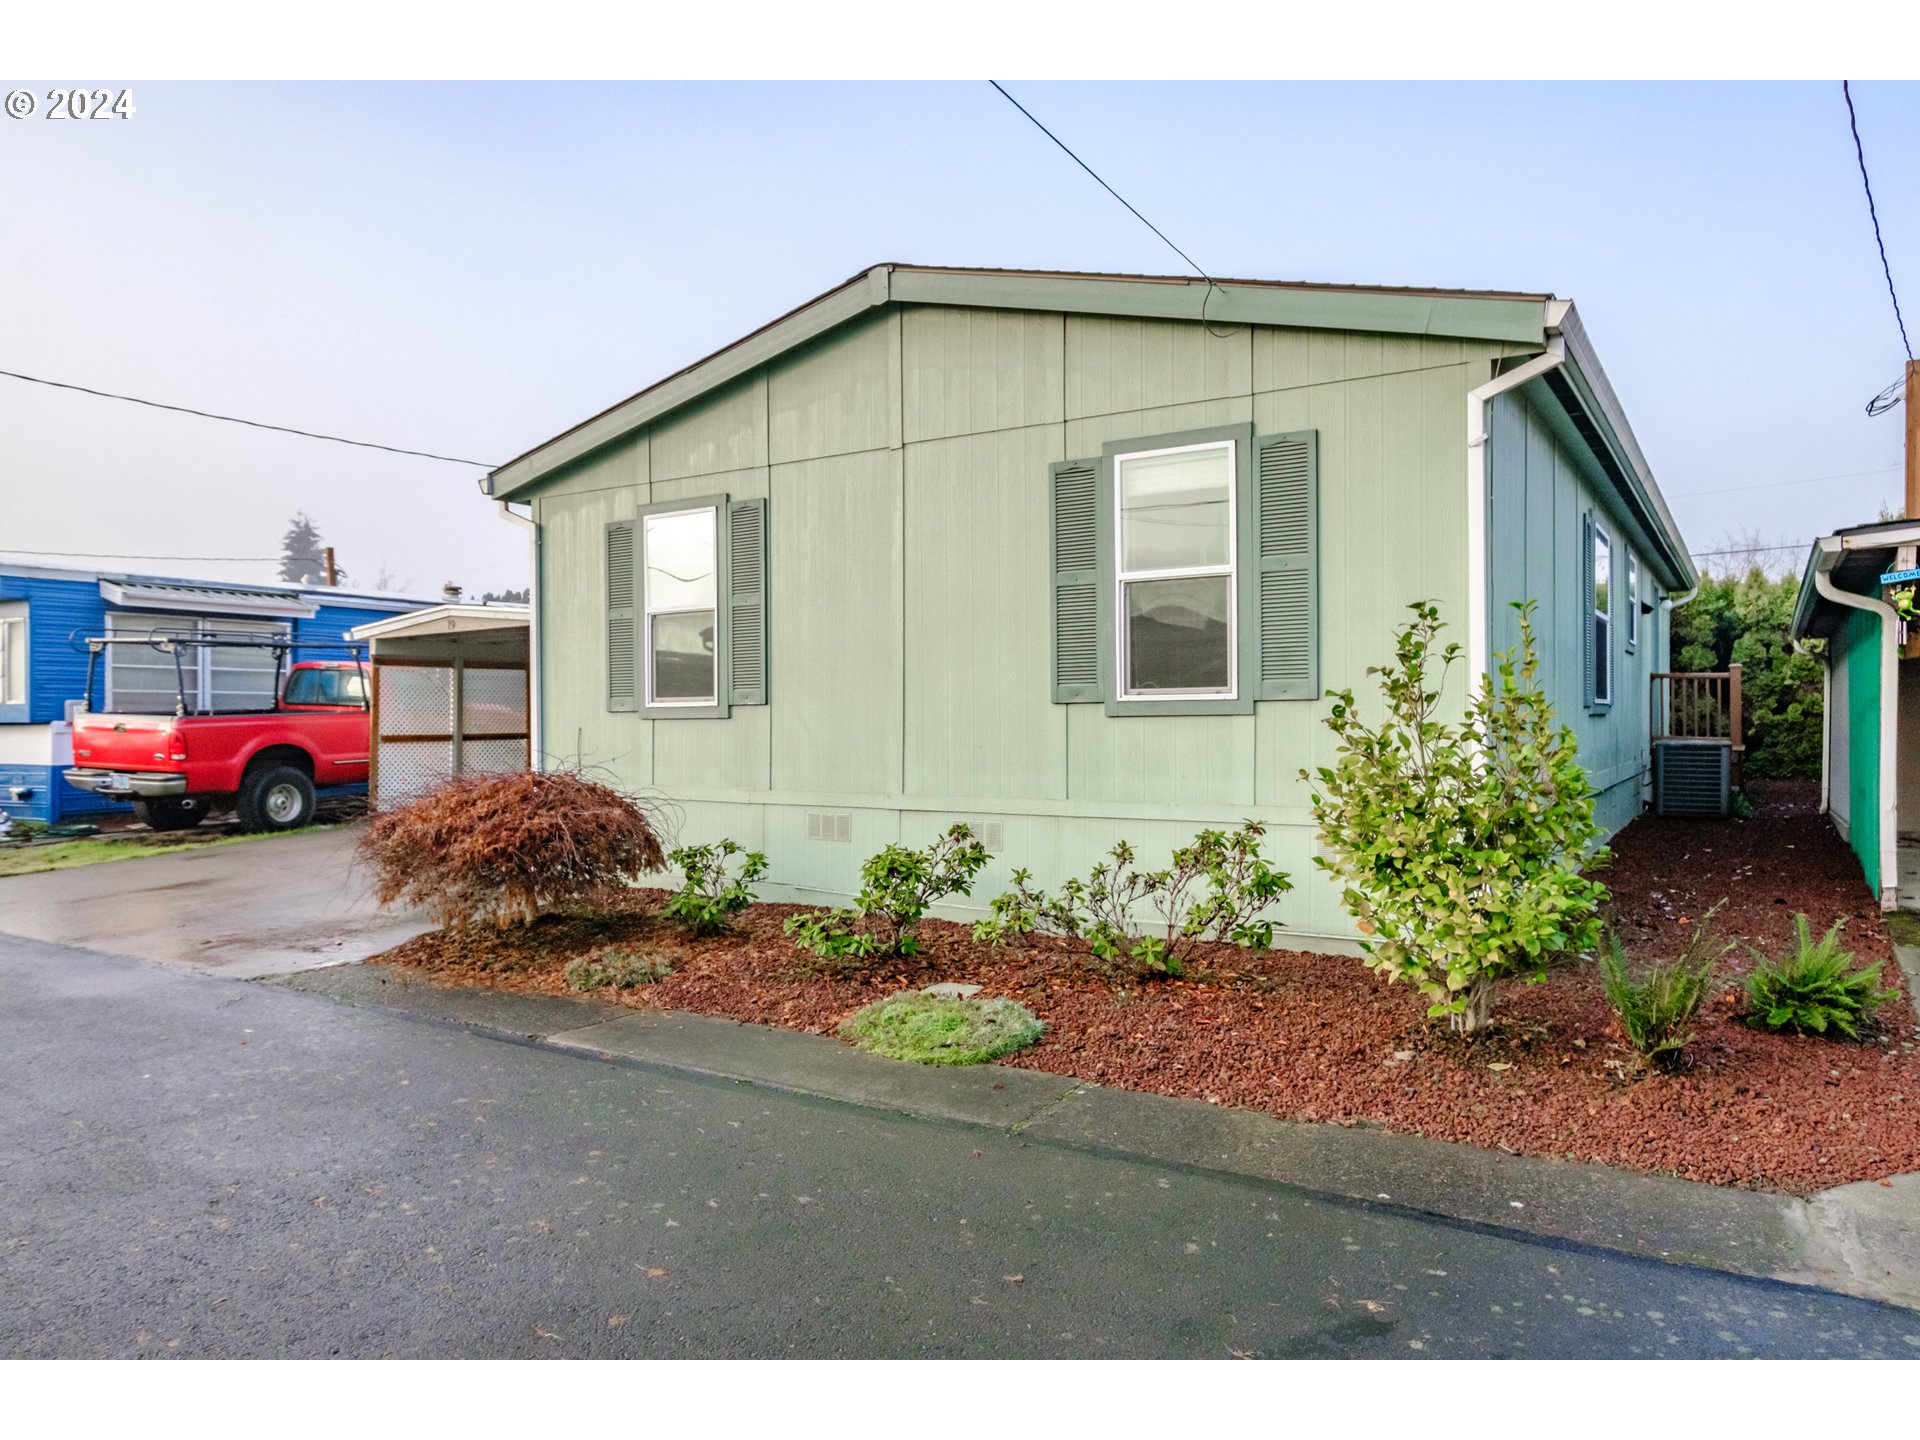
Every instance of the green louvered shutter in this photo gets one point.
(747, 602)
(1586, 607)
(1286, 479)
(621, 611)
(1076, 581)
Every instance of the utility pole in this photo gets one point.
(333, 580)
(1911, 510)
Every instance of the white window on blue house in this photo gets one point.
(208, 680)
(681, 606)
(1175, 518)
(13, 659)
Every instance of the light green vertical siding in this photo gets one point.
(834, 641)
(979, 717)
(1539, 487)
(906, 458)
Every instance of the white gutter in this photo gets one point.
(534, 727)
(1889, 715)
(1479, 630)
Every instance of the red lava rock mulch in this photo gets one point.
(1322, 1038)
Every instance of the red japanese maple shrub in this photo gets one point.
(505, 847)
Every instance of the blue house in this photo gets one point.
(47, 614)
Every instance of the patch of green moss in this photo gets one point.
(935, 1030)
(1905, 927)
(615, 970)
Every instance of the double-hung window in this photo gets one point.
(1174, 515)
(681, 587)
(13, 657)
(686, 590)
(1602, 618)
(1633, 603)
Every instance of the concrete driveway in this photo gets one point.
(265, 907)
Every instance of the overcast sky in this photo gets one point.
(468, 269)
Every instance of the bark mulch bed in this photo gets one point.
(1321, 1038)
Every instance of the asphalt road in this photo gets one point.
(196, 1166)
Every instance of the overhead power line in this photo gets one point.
(109, 555)
(1777, 484)
(1860, 154)
(237, 420)
(1748, 550)
(1212, 284)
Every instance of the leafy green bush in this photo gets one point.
(898, 887)
(1460, 845)
(1239, 887)
(1656, 1007)
(614, 970)
(1746, 617)
(1814, 986)
(709, 896)
(935, 1030)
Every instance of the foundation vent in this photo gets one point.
(829, 825)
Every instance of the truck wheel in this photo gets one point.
(182, 813)
(275, 797)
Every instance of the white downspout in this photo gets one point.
(1889, 723)
(1479, 629)
(535, 729)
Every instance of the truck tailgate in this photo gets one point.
(123, 742)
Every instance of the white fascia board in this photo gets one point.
(131, 596)
(436, 619)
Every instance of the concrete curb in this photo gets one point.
(1858, 1239)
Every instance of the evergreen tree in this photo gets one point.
(1743, 618)
(301, 560)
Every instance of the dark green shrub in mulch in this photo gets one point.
(1814, 987)
(614, 970)
(937, 1030)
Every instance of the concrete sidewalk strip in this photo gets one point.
(1744, 1230)
(1860, 1239)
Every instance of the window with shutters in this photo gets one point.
(1184, 573)
(686, 589)
(680, 594)
(1176, 598)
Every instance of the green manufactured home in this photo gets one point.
(1077, 557)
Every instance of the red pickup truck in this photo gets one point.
(265, 764)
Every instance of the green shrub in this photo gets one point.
(898, 887)
(615, 970)
(1656, 1007)
(1459, 845)
(935, 1030)
(1239, 887)
(1814, 986)
(709, 896)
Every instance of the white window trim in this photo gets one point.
(7, 678)
(1602, 654)
(1633, 602)
(1122, 575)
(647, 612)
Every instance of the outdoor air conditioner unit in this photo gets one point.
(1693, 779)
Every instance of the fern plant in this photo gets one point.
(1657, 1006)
(1814, 987)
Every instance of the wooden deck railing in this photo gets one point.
(1698, 705)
